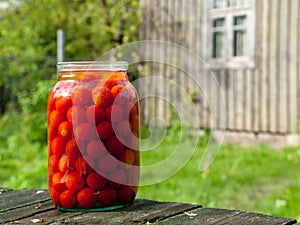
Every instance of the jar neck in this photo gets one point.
(97, 70)
(93, 65)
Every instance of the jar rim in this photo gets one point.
(86, 65)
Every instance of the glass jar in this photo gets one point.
(93, 137)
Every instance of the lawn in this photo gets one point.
(257, 179)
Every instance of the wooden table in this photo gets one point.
(32, 206)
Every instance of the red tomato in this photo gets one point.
(87, 198)
(75, 181)
(95, 181)
(65, 129)
(63, 103)
(105, 130)
(125, 195)
(68, 199)
(102, 96)
(81, 95)
(85, 131)
(107, 196)
(56, 117)
(114, 145)
(95, 114)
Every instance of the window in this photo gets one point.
(230, 33)
(239, 35)
(218, 37)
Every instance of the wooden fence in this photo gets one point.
(264, 98)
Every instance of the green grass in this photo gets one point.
(257, 179)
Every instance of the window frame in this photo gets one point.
(228, 13)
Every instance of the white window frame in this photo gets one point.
(228, 60)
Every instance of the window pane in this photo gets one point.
(217, 44)
(233, 2)
(239, 20)
(218, 37)
(218, 22)
(220, 4)
(236, 3)
(239, 43)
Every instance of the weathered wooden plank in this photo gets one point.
(16, 214)
(50, 217)
(20, 198)
(2, 190)
(140, 212)
(208, 216)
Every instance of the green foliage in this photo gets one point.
(28, 35)
(34, 111)
(27, 67)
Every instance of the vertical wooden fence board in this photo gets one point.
(196, 41)
(217, 117)
(288, 69)
(154, 65)
(230, 96)
(160, 103)
(235, 97)
(282, 62)
(223, 86)
(298, 68)
(204, 104)
(169, 34)
(249, 101)
(225, 83)
(176, 57)
(256, 96)
(204, 81)
(146, 26)
(263, 65)
(190, 42)
(293, 48)
(239, 100)
(273, 89)
(183, 20)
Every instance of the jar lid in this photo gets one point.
(92, 65)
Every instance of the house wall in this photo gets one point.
(265, 98)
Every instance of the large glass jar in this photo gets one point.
(93, 137)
